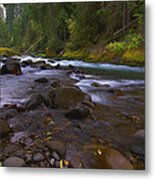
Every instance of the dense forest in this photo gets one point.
(72, 85)
(92, 31)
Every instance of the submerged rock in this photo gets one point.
(11, 67)
(14, 162)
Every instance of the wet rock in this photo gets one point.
(4, 129)
(26, 63)
(51, 61)
(14, 162)
(35, 101)
(95, 84)
(11, 67)
(56, 84)
(38, 64)
(57, 146)
(38, 157)
(70, 66)
(45, 67)
(58, 66)
(41, 80)
(55, 155)
(107, 158)
(115, 160)
(138, 143)
(78, 113)
(66, 97)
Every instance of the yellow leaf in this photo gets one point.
(61, 164)
(99, 152)
(66, 162)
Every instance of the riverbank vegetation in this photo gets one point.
(110, 32)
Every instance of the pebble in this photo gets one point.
(52, 161)
(55, 155)
(38, 157)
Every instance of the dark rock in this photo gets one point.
(71, 66)
(78, 113)
(26, 63)
(95, 84)
(38, 64)
(11, 67)
(58, 66)
(41, 80)
(4, 129)
(38, 157)
(51, 61)
(35, 101)
(56, 84)
(57, 146)
(65, 97)
(14, 162)
(45, 67)
(111, 91)
(138, 143)
(76, 162)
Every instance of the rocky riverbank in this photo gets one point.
(60, 125)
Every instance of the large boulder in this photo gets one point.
(137, 145)
(11, 67)
(66, 97)
(4, 129)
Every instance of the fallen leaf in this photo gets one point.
(61, 164)
(99, 152)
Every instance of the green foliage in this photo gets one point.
(115, 46)
(134, 40)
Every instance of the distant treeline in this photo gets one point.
(59, 28)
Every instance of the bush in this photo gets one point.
(116, 46)
(134, 41)
(7, 52)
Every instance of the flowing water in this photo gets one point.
(15, 89)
